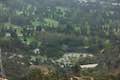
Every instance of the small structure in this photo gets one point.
(88, 66)
(8, 35)
(36, 51)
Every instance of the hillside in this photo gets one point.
(43, 31)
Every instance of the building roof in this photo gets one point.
(89, 66)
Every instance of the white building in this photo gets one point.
(8, 35)
(36, 51)
(88, 66)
